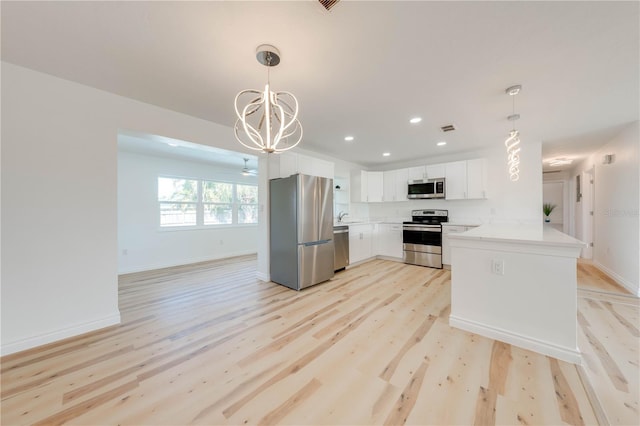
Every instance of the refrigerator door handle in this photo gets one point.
(315, 243)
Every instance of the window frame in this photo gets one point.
(238, 203)
(200, 205)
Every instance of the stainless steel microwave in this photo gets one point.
(426, 188)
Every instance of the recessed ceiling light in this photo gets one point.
(386, 154)
(173, 144)
(441, 143)
(348, 138)
(415, 120)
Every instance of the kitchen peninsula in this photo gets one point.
(517, 284)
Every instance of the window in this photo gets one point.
(178, 201)
(195, 202)
(247, 197)
(218, 203)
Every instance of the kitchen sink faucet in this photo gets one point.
(341, 216)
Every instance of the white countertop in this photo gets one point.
(461, 223)
(527, 234)
(368, 222)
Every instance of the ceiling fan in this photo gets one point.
(246, 171)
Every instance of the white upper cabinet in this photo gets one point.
(367, 187)
(376, 186)
(476, 179)
(466, 180)
(291, 163)
(314, 166)
(419, 172)
(395, 185)
(402, 177)
(323, 168)
(426, 172)
(456, 180)
(288, 164)
(389, 185)
(435, 171)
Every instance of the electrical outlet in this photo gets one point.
(497, 266)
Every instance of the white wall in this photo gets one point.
(554, 192)
(59, 201)
(508, 202)
(617, 202)
(146, 245)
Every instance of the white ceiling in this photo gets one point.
(173, 148)
(362, 69)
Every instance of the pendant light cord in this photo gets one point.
(513, 110)
(269, 68)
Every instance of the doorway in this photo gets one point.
(584, 210)
(555, 193)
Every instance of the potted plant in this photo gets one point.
(547, 208)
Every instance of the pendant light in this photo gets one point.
(512, 143)
(268, 121)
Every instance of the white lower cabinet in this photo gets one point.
(360, 242)
(389, 240)
(371, 240)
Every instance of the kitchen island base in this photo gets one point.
(517, 284)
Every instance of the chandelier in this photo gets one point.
(513, 141)
(267, 120)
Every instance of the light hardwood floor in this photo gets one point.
(609, 340)
(211, 344)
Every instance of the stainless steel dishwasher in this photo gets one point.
(341, 247)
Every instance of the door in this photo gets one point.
(315, 262)
(389, 181)
(315, 209)
(308, 210)
(456, 180)
(588, 193)
(325, 205)
(476, 179)
(402, 176)
(375, 186)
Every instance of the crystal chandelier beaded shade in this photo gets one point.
(512, 143)
(267, 120)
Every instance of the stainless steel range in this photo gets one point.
(422, 237)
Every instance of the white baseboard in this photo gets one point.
(617, 278)
(571, 355)
(391, 258)
(180, 262)
(263, 276)
(54, 336)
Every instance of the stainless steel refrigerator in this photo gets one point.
(301, 230)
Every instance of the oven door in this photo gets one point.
(422, 238)
(422, 245)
